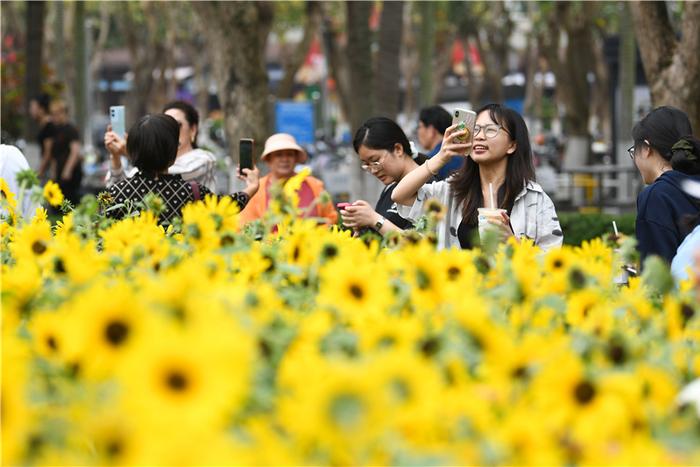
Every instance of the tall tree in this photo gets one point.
(386, 65)
(142, 24)
(671, 65)
(426, 52)
(238, 32)
(359, 56)
(294, 59)
(566, 40)
(35, 12)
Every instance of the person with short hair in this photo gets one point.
(39, 111)
(432, 123)
(282, 154)
(152, 148)
(499, 156)
(666, 155)
(192, 162)
(65, 152)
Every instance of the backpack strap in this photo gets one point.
(195, 189)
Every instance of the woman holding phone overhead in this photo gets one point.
(385, 152)
(498, 156)
(192, 163)
(152, 148)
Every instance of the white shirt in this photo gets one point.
(13, 161)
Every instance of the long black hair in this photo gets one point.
(664, 128)
(383, 133)
(466, 183)
(191, 115)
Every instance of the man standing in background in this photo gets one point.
(432, 123)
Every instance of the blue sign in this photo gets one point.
(297, 119)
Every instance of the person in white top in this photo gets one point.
(12, 161)
(192, 163)
(499, 155)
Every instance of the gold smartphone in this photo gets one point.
(468, 118)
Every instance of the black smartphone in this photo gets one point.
(245, 154)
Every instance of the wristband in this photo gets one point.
(428, 168)
(378, 225)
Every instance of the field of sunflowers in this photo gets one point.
(204, 343)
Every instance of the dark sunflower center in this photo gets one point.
(577, 279)
(520, 372)
(59, 267)
(38, 247)
(453, 272)
(356, 291)
(584, 392)
(687, 313)
(330, 251)
(51, 342)
(177, 381)
(558, 263)
(116, 332)
(114, 448)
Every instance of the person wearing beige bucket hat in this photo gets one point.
(281, 154)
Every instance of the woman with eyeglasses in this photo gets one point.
(666, 154)
(385, 152)
(498, 156)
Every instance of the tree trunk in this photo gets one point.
(34, 43)
(409, 61)
(671, 66)
(386, 75)
(238, 31)
(80, 51)
(337, 61)
(426, 52)
(359, 59)
(296, 59)
(571, 64)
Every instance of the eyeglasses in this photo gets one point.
(633, 149)
(490, 130)
(372, 166)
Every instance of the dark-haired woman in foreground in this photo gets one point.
(385, 152)
(666, 154)
(192, 162)
(152, 147)
(500, 156)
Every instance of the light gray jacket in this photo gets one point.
(533, 215)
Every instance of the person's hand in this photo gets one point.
(450, 147)
(359, 214)
(65, 175)
(503, 224)
(115, 144)
(251, 178)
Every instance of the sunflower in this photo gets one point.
(31, 241)
(6, 195)
(353, 288)
(105, 324)
(181, 378)
(53, 194)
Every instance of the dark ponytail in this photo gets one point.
(685, 155)
(662, 128)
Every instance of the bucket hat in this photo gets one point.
(281, 142)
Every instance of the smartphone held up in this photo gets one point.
(117, 120)
(245, 154)
(466, 119)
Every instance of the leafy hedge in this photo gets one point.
(578, 227)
